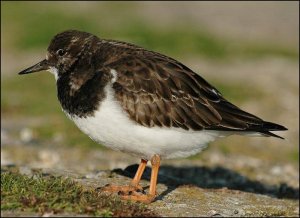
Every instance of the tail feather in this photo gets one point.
(268, 126)
(267, 133)
(273, 126)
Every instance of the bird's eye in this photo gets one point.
(60, 52)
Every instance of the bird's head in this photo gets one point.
(64, 51)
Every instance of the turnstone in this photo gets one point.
(140, 102)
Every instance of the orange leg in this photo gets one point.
(147, 198)
(134, 185)
(138, 175)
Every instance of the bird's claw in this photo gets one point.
(139, 197)
(122, 190)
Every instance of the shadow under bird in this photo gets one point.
(140, 102)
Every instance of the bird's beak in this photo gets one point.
(43, 65)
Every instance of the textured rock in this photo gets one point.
(179, 198)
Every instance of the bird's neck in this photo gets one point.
(80, 95)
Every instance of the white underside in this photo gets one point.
(111, 127)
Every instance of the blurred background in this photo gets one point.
(248, 50)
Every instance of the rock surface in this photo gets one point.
(185, 187)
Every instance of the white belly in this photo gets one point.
(111, 127)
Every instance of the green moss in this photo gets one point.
(54, 194)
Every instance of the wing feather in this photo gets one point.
(156, 90)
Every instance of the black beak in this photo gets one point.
(43, 65)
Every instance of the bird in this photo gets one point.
(140, 102)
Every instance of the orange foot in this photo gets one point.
(126, 189)
(137, 196)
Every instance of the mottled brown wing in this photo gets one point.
(156, 90)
